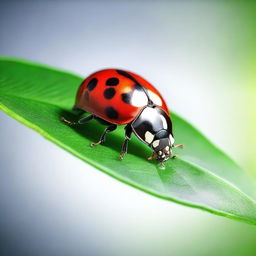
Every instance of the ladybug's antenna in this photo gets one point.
(178, 146)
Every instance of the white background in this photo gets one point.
(54, 204)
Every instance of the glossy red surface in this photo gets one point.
(95, 102)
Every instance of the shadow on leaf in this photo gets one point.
(93, 129)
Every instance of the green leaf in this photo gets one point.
(202, 177)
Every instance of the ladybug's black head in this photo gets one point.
(164, 153)
(154, 127)
(162, 145)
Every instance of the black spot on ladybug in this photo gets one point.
(111, 113)
(109, 93)
(86, 96)
(123, 73)
(138, 87)
(92, 84)
(113, 81)
(126, 97)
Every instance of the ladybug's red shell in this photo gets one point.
(117, 96)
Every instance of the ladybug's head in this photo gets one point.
(154, 127)
(162, 146)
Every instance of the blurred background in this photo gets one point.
(202, 57)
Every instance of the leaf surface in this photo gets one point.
(202, 177)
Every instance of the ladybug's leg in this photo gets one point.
(153, 156)
(110, 128)
(128, 133)
(80, 121)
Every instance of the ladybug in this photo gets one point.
(118, 97)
